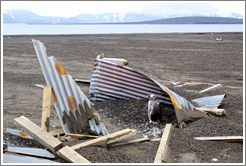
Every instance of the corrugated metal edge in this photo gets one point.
(66, 94)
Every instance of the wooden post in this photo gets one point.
(164, 152)
(103, 140)
(46, 108)
(39, 134)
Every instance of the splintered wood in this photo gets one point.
(215, 111)
(46, 108)
(164, 152)
(103, 140)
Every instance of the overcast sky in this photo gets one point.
(73, 8)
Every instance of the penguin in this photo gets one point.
(154, 111)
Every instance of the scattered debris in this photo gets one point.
(81, 136)
(164, 152)
(221, 138)
(219, 39)
(214, 111)
(5, 147)
(39, 85)
(212, 88)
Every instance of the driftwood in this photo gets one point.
(164, 152)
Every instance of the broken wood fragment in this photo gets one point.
(39, 134)
(54, 133)
(217, 86)
(215, 111)
(83, 81)
(163, 153)
(221, 138)
(103, 140)
(189, 84)
(81, 136)
(70, 155)
(45, 123)
(39, 85)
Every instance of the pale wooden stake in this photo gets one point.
(81, 136)
(46, 108)
(221, 138)
(212, 88)
(39, 85)
(164, 152)
(70, 155)
(103, 140)
(39, 134)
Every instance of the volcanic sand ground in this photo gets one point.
(163, 57)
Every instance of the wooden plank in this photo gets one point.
(70, 155)
(39, 134)
(83, 81)
(221, 138)
(45, 123)
(212, 110)
(81, 136)
(103, 140)
(55, 132)
(217, 86)
(163, 153)
(132, 142)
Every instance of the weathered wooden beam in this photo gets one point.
(39, 134)
(103, 140)
(70, 155)
(163, 153)
(217, 86)
(45, 123)
(215, 111)
(221, 138)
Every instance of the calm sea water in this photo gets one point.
(27, 29)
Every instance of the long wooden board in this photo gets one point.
(103, 140)
(221, 138)
(164, 153)
(38, 134)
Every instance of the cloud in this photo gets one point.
(163, 8)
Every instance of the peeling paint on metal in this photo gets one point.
(66, 94)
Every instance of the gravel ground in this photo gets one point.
(163, 57)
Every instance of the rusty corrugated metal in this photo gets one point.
(17, 133)
(112, 81)
(72, 106)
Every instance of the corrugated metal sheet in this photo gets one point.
(209, 101)
(17, 133)
(31, 152)
(16, 158)
(72, 106)
(112, 81)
